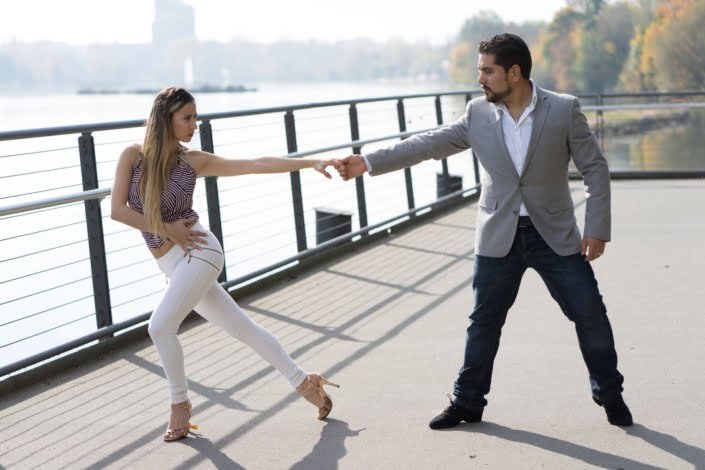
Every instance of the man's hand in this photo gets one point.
(180, 232)
(352, 167)
(592, 248)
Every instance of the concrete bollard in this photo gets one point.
(446, 184)
(331, 223)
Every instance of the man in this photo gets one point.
(524, 138)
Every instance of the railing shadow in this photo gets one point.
(209, 451)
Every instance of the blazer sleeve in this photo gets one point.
(592, 165)
(437, 144)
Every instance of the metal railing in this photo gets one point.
(92, 194)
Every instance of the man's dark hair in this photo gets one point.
(508, 50)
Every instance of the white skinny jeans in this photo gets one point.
(193, 285)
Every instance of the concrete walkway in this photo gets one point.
(387, 322)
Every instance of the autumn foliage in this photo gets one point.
(598, 46)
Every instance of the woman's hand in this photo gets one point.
(321, 165)
(180, 233)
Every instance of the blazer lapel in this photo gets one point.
(496, 123)
(539, 118)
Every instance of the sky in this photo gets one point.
(266, 21)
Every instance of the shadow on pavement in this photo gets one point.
(210, 451)
(330, 448)
(670, 444)
(558, 446)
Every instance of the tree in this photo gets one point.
(603, 47)
(481, 26)
(589, 8)
(679, 59)
(462, 63)
(585, 46)
(556, 51)
(671, 46)
(635, 77)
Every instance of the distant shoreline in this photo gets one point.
(641, 123)
(154, 91)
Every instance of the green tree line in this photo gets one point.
(600, 46)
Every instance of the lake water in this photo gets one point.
(45, 284)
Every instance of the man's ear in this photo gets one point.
(515, 72)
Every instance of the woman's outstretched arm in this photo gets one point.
(207, 164)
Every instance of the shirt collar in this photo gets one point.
(500, 108)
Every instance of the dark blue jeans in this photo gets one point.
(571, 282)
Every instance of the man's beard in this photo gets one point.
(493, 97)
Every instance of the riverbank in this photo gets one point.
(154, 91)
(624, 123)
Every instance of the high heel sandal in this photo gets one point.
(179, 433)
(312, 390)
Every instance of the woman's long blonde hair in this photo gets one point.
(157, 154)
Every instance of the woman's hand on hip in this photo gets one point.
(181, 233)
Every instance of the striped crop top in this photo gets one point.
(177, 198)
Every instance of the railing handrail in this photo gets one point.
(634, 107)
(643, 94)
(106, 126)
(54, 201)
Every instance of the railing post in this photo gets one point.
(600, 122)
(212, 198)
(94, 227)
(445, 183)
(476, 167)
(439, 121)
(291, 146)
(359, 181)
(407, 171)
(475, 163)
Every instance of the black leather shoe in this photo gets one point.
(617, 411)
(454, 414)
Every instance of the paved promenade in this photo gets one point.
(387, 322)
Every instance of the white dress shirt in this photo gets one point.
(517, 134)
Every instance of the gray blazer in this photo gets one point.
(560, 131)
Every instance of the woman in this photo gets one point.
(153, 192)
